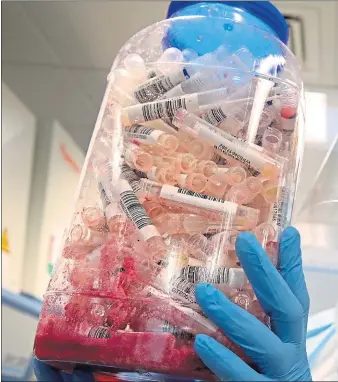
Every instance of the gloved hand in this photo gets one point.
(46, 373)
(278, 355)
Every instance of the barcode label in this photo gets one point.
(176, 331)
(183, 289)
(278, 209)
(162, 109)
(128, 174)
(165, 109)
(231, 153)
(198, 195)
(139, 129)
(135, 212)
(142, 134)
(99, 332)
(214, 116)
(196, 199)
(133, 209)
(153, 88)
(195, 274)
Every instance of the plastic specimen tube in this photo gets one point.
(149, 136)
(244, 216)
(251, 157)
(136, 158)
(164, 109)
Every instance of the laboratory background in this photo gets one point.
(55, 61)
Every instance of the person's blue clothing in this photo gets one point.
(277, 355)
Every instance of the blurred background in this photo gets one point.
(55, 60)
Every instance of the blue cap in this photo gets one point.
(263, 10)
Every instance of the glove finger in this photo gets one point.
(46, 373)
(273, 293)
(257, 340)
(290, 266)
(224, 363)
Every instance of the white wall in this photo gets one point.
(18, 139)
(54, 185)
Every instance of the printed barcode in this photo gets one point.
(133, 209)
(99, 332)
(176, 331)
(238, 157)
(163, 109)
(278, 214)
(214, 116)
(195, 275)
(183, 288)
(128, 174)
(150, 91)
(139, 130)
(198, 195)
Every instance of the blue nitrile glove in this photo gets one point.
(46, 373)
(278, 355)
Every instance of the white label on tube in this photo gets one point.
(135, 212)
(157, 86)
(142, 134)
(162, 109)
(245, 154)
(196, 199)
(183, 289)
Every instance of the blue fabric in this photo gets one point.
(280, 354)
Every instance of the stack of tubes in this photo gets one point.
(187, 183)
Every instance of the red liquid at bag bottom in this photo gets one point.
(63, 340)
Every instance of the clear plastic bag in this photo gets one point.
(187, 152)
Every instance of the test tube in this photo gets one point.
(166, 108)
(198, 246)
(207, 168)
(171, 223)
(255, 187)
(270, 191)
(252, 157)
(148, 136)
(164, 175)
(207, 79)
(272, 140)
(216, 186)
(288, 118)
(136, 213)
(153, 209)
(185, 162)
(94, 218)
(135, 65)
(200, 149)
(238, 194)
(231, 175)
(136, 158)
(194, 181)
(243, 216)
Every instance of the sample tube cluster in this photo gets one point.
(176, 178)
